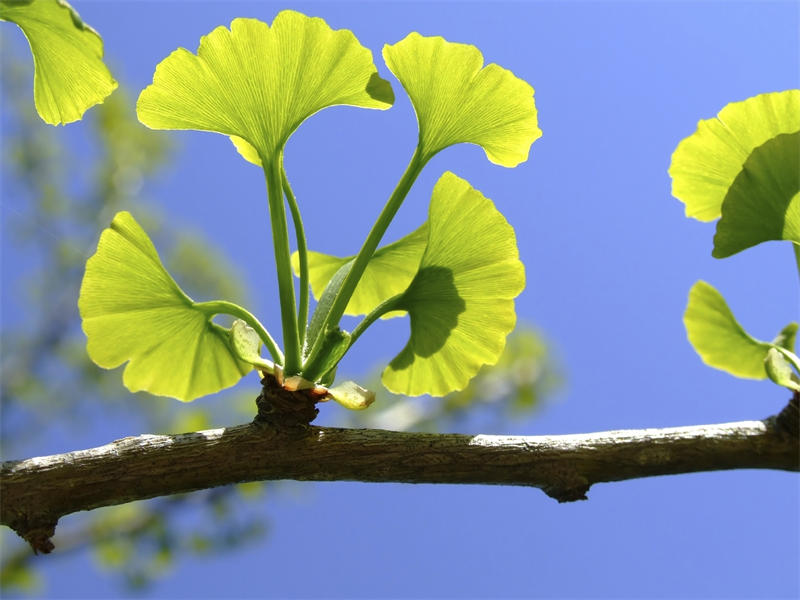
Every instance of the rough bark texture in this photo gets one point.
(38, 491)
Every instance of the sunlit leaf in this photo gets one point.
(333, 347)
(779, 370)
(351, 395)
(246, 345)
(461, 301)
(706, 164)
(763, 203)
(69, 74)
(786, 338)
(458, 101)
(258, 83)
(132, 310)
(388, 273)
(718, 338)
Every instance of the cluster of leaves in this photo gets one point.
(257, 83)
(48, 383)
(743, 168)
(54, 201)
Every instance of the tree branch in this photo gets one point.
(38, 491)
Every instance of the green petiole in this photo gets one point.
(384, 307)
(796, 248)
(280, 238)
(359, 264)
(302, 253)
(222, 307)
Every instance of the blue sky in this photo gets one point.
(609, 259)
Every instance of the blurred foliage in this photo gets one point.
(56, 200)
(55, 203)
(523, 377)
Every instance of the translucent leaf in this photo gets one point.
(718, 338)
(786, 338)
(763, 203)
(132, 310)
(388, 273)
(779, 370)
(246, 345)
(351, 395)
(706, 164)
(69, 74)
(458, 101)
(258, 83)
(335, 344)
(461, 301)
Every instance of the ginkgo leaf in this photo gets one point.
(779, 370)
(763, 203)
(69, 74)
(706, 164)
(259, 83)
(787, 336)
(133, 310)
(351, 395)
(717, 336)
(461, 301)
(246, 345)
(388, 273)
(458, 101)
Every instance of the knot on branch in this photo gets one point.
(788, 420)
(37, 533)
(567, 486)
(283, 409)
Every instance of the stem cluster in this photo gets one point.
(304, 344)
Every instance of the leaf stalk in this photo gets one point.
(796, 248)
(302, 253)
(339, 304)
(222, 307)
(280, 239)
(384, 307)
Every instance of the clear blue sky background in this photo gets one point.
(609, 257)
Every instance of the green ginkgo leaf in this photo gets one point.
(246, 345)
(351, 395)
(706, 164)
(389, 272)
(717, 336)
(780, 371)
(133, 310)
(69, 74)
(786, 338)
(461, 301)
(258, 83)
(763, 203)
(458, 101)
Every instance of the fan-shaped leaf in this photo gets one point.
(706, 164)
(763, 203)
(132, 310)
(69, 74)
(258, 83)
(458, 101)
(388, 273)
(461, 301)
(718, 338)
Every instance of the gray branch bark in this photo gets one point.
(38, 491)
